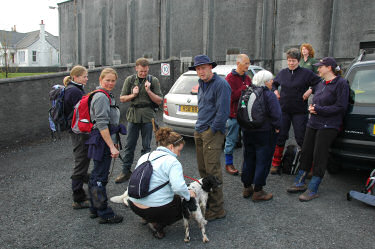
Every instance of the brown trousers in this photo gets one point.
(208, 148)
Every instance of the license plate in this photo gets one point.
(188, 108)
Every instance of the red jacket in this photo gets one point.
(237, 84)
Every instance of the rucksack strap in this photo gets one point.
(164, 184)
(91, 95)
(157, 188)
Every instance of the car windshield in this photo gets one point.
(362, 82)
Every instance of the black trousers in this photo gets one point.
(315, 150)
(81, 165)
(163, 215)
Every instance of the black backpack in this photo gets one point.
(58, 121)
(251, 111)
(290, 161)
(139, 182)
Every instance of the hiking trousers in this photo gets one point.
(208, 147)
(81, 165)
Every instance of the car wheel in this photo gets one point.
(334, 166)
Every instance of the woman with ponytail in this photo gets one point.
(163, 207)
(74, 84)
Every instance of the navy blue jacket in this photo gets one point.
(331, 102)
(97, 144)
(294, 83)
(213, 104)
(273, 110)
(73, 94)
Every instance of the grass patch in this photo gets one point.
(15, 75)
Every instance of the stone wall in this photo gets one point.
(25, 103)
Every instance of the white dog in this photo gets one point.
(201, 189)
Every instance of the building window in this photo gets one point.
(12, 57)
(21, 56)
(34, 56)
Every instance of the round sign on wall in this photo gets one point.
(165, 69)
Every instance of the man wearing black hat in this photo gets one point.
(213, 111)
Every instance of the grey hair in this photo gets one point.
(261, 77)
(293, 53)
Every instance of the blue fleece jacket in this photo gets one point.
(294, 83)
(213, 104)
(331, 102)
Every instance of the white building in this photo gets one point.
(34, 49)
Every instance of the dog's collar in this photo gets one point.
(193, 179)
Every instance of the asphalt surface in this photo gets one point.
(36, 209)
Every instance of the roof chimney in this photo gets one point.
(42, 31)
(14, 28)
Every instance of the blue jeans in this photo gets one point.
(232, 135)
(259, 147)
(97, 186)
(131, 142)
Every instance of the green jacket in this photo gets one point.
(140, 109)
(309, 64)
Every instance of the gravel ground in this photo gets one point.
(36, 209)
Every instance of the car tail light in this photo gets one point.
(165, 107)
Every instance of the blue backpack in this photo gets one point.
(139, 182)
(57, 120)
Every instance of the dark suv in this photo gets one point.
(355, 145)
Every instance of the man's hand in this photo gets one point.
(147, 86)
(136, 90)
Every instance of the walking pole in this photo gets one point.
(155, 127)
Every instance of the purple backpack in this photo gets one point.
(139, 182)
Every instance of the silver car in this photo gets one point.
(181, 103)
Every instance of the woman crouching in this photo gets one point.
(328, 108)
(259, 143)
(164, 206)
(102, 145)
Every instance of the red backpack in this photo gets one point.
(81, 122)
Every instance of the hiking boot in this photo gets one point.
(308, 195)
(112, 220)
(247, 192)
(261, 196)
(231, 169)
(80, 205)
(275, 170)
(210, 216)
(123, 177)
(93, 214)
(296, 188)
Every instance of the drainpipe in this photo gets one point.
(263, 38)
(274, 35)
(333, 25)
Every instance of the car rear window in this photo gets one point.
(362, 82)
(187, 84)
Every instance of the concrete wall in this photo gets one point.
(264, 29)
(24, 101)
